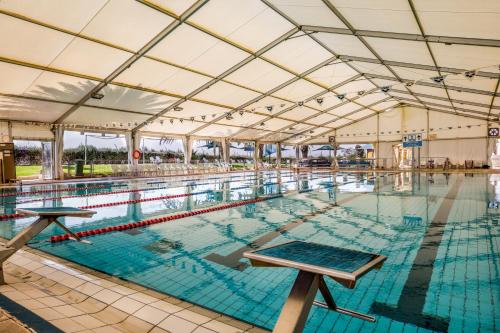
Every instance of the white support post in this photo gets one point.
(58, 152)
(187, 143)
(226, 146)
(278, 154)
(256, 153)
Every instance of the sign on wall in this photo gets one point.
(412, 140)
(493, 131)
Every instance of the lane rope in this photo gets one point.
(145, 223)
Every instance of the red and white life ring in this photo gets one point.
(136, 154)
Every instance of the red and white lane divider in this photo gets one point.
(66, 189)
(145, 223)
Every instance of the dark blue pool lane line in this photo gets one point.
(412, 299)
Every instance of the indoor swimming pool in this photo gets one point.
(439, 232)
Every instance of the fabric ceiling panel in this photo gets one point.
(249, 23)
(402, 95)
(251, 134)
(275, 105)
(117, 97)
(30, 42)
(478, 83)
(275, 124)
(435, 101)
(429, 91)
(329, 100)
(195, 109)
(371, 98)
(332, 74)
(227, 94)
(159, 76)
(466, 19)
(126, 23)
(299, 113)
(344, 45)
(378, 15)
(401, 50)
(176, 6)
(385, 105)
(220, 131)
(371, 68)
(340, 122)
(309, 12)
(323, 118)
(59, 87)
(71, 15)
(259, 75)
(351, 89)
(172, 128)
(345, 109)
(464, 96)
(388, 83)
(90, 58)
(12, 108)
(16, 79)
(467, 57)
(200, 51)
(245, 120)
(298, 54)
(361, 114)
(92, 116)
(298, 91)
(414, 74)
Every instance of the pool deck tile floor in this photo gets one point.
(74, 298)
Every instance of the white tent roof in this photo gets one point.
(245, 69)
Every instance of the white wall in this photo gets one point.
(458, 138)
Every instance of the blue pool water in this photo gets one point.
(439, 232)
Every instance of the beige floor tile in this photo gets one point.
(217, 326)
(58, 289)
(150, 314)
(257, 330)
(193, 317)
(202, 329)
(73, 297)
(104, 283)
(35, 293)
(48, 313)
(143, 298)
(16, 295)
(90, 305)
(107, 329)
(68, 310)
(72, 282)
(233, 322)
(111, 315)
(88, 288)
(67, 325)
(88, 321)
(204, 312)
(134, 325)
(51, 301)
(123, 290)
(166, 306)
(158, 330)
(31, 304)
(177, 325)
(128, 305)
(107, 296)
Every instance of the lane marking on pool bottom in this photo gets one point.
(145, 223)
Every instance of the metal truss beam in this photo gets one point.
(404, 36)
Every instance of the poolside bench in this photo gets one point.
(46, 216)
(313, 261)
